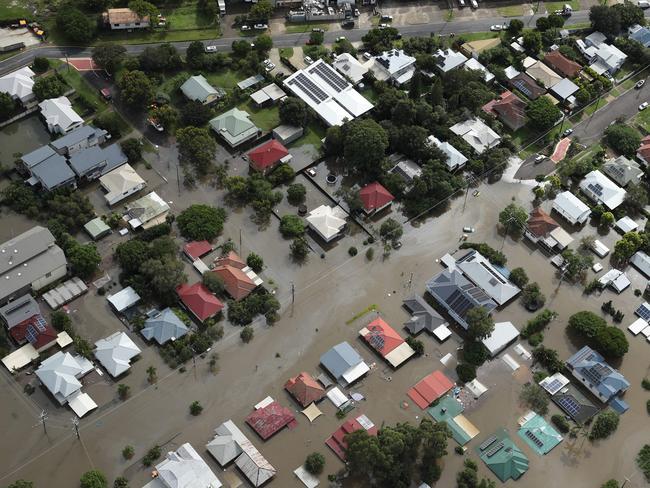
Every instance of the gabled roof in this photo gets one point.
(197, 88)
(234, 125)
(124, 16)
(327, 221)
(236, 282)
(423, 316)
(270, 419)
(641, 261)
(254, 466)
(455, 159)
(375, 196)
(34, 330)
(589, 366)
(198, 299)
(267, 155)
(642, 35)
(59, 112)
(59, 373)
(643, 152)
(147, 208)
(19, 310)
(480, 271)
(429, 389)
(477, 134)
(115, 352)
(305, 389)
(505, 459)
(540, 224)
(336, 441)
(386, 341)
(184, 468)
(340, 359)
(18, 84)
(509, 108)
(51, 170)
(502, 335)
(601, 189)
(567, 203)
(163, 327)
(562, 64)
(539, 71)
(85, 132)
(623, 170)
(196, 249)
(527, 85)
(474, 65)
(564, 89)
(123, 299)
(91, 158)
(448, 59)
(349, 66)
(226, 444)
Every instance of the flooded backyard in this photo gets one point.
(22, 137)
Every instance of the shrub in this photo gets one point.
(534, 397)
(519, 277)
(214, 282)
(466, 372)
(532, 297)
(199, 222)
(93, 479)
(132, 149)
(549, 358)
(121, 482)
(536, 339)
(123, 391)
(291, 226)
(474, 352)
(296, 193)
(255, 262)
(494, 256)
(605, 425)
(416, 344)
(40, 64)
(370, 253)
(315, 463)
(352, 251)
(645, 384)
(246, 334)
(643, 461)
(459, 450)
(153, 454)
(196, 408)
(561, 423)
(128, 452)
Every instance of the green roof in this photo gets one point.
(445, 410)
(506, 460)
(234, 126)
(198, 88)
(540, 436)
(97, 228)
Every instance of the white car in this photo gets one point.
(155, 124)
(643, 106)
(383, 26)
(308, 60)
(356, 12)
(260, 26)
(474, 3)
(498, 27)
(367, 56)
(341, 38)
(469, 230)
(539, 158)
(245, 27)
(210, 49)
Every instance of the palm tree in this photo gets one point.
(152, 376)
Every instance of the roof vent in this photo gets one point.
(20, 274)
(7, 277)
(15, 251)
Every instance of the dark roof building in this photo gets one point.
(34, 330)
(575, 404)
(423, 316)
(540, 224)
(270, 419)
(508, 108)
(19, 310)
(526, 85)
(95, 161)
(561, 64)
(305, 389)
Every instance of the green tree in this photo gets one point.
(195, 54)
(561, 423)
(196, 147)
(643, 461)
(607, 220)
(629, 13)
(196, 408)
(293, 111)
(163, 276)
(110, 122)
(605, 425)
(246, 334)
(21, 484)
(610, 484)
(513, 218)
(577, 264)
(261, 11)
(351, 197)
(299, 248)
(296, 193)
(534, 397)
(165, 115)
(132, 149)
(40, 64)
(75, 25)
(136, 89)
(195, 114)
(201, 222)
(255, 262)
(84, 259)
(60, 320)
(519, 277)
(623, 138)
(316, 38)
(365, 146)
(214, 283)
(263, 43)
(626, 247)
(108, 57)
(123, 391)
(532, 297)
(416, 344)
(315, 463)
(391, 231)
(152, 374)
(605, 20)
(549, 358)
(515, 27)
(48, 87)
(479, 323)
(128, 452)
(611, 342)
(636, 198)
(542, 114)
(121, 482)
(586, 324)
(532, 42)
(93, 479)
(143, 8)
(291, 226)
(466, 372)
(7, 106)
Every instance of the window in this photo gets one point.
(137, 23)
(116, 25)
(47, 275)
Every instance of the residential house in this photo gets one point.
(125, 18)
(198, 89)
(79, 139)
(473, 49)
(602, 57)
(639, 34)
(616, 279)
(197, 249)
(305, 389)
(503, 334)
(601, 190)
(429, 389)
(115, 353)
(641, 261)
(328, 93)
(255, 467)
(96, 228)
(405, 168)
(48, 169)
(485, 275)
(266, 157)
(542, 229)
(183, 468)
(423, 316)
(457, 295)
(455, 159)
(623, 171)
(544, 75)
(25, 324)
(344, 363)
(625, 224)
(575, 404)
(605, 382)
(328, 222)
(643, 153)
(387, 342)
(564, 91)
(121, 183)
(199, 301)
(235, 127)
(336, 442)
(574, 210)
(18, 85)
(93, 162)
(527, 85)
(163, 327)
(124, 299)
(59, 115)
(394, 66)
(31, 261)
(60, 374)
(477, 134)
(350, 67)
(270, 419)
(509, 109)
(562, 65)
(238, 278)
(448, 59)
(375, 198)
(147, 211)
(473, 65)
(268, 95)
(503, 457)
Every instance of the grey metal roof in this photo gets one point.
(24, 247)
(164, 327)
(89, 159)
(78, 135)
(198, 88)
(423, 316)
(340, 358)
(480, 271)
(53, 172)
(641, 261)
(19, 310)
(37, 156)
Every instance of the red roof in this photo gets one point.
(644, 149)
(267, 155)
(236, 282)
(196, 249)
(509, 108)
(336, 442)
(199, 300)
(381, 336)
(230, 259)
(540, 223)
(374, 196)
(270, 419)
(304, 389)
(429, 389)
(562, 64)
(34, 330)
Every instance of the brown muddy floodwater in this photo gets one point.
(326, 297)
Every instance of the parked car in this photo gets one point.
(340, 38)
(539, 158)
(387, 18)
(461, 3)
(106, 93)
(473, 3)
(316, 29)
(567, 132)
(367, 56)
(639, 84)
(643, 4)
(643, 106)
(498, 27)
(383, 26)
(155, 124)
(469, 230)
(311, 172)
(308, 60)
(347, 24)
(210, 49)
(245, 27)
(260, 26)
(356, 12)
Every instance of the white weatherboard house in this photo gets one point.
(455, 159)
(121, 183)
(59, 115)
(350, 67)
(147, 211)
(477, 134)
(448, 59)
(184, 468)
(600, 189)
(504, 333)
(394, 66)
(115, 353)
(571, 208)
(18, 85)
(327, 222)
(61, 373)
(603, 57)
(125, 18)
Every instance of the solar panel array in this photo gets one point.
(488, 442)
(643, 311)
(536, 440)
(495, 449)
(554, 386)
(459, 303)
(597, 188)
(33, 330)
(329, 76)
(310, 88)
(569, 405)
(522, 88)
(376, 338)
(596, 373)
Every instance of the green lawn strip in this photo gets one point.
(313, 135)
(186, 16)
(370, 308)
(264, 118)
(478, 36)
(286, 52)
(511, 11)
(553, 6)
(298, 28)
(10, 13)
(226, 79)
(643, 119)
(157, 36)
(522, 136)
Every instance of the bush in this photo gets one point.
(416, 344)
(535, 398)
(247, 334)
(128, 452)
(643, 461)
(561, 423)
(536, 339)
(466, 372)
(370, 253)
(121, 482)
(474, 352)
(48, 87)
(605, 425)
(494, 256)
(315, 463)
(152, 455)
(195, 408)
(532, 297)
(299, 248)
(132, 150)
(352, 251)
(296, 193)
(40, 64)
(123, 391)
(609, 341)
(255, 262)
(93, 479)
(111, 123)
(549, 358)
(214, 283)
(645, 384)
(459, 450)
(291, 226)
(519, 277)
(647, 406)
(201, 222)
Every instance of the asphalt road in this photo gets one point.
(289, 40)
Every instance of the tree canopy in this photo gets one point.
(605, 20)
(196, 148)
(513, 218)
(365, 146)
(542, 114)
(605, 425)
(293, 111)
(136, 89)
(623, 139)
(108, 56)
(48, 87)
(93, 479)
(201, 222)
(479, 322)
(75, 25)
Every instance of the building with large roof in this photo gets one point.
(198, 89)
(184, 468)
(526, 85)
(542, 229)
(448, 59)
(394, 66)
(386, 342)
(95, 161)
(48, 168)
(540, 436)
(571, 208)
(270, 419)
(25, 324)
(350, 67)
(561, 64)
(477, 134)
(79, 139)
(121, 183)
(255, 467)
(423, 316)
(504, 334)
(163, 327)
(455, 159)
(18, 85)
(147, 211)
(429, 389)
(543, 74)
(125, 18)
(623, 171)
(602, 57)
(601, 190)
(226, 444)
(235, 127)
(327, 93)
(238, 278)
(509, 109)
(336, 442)
(60, 374)
(375, 198)
(344, 363)
(503, 457)
(305, 389)
(328, 222)
(475, 48)
(115, 353)
(486, 276)
(199, 300)
(564, 91)
(59, 115)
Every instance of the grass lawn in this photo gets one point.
(298, 28)
(588, 153)
(265, 118)
(147, 37)
(643, 120)
(73, 78)
(553, 6)
(594, 106)
(478, 36)
(9, 13)
(522, 136)
(314, 132)
(227, 79)
(286, 52)
(511, 11)
(370, 94)
(187, 16)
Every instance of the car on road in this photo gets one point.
(356, 12)
(643, 106)
(567, 132)
(469, 230)
(498, 27)
(367, 56)
(308, 60)
(260, 26)
(387, 18)
(476, 193)
(316, 29)
(473, 3)
(210, 49)
(340, 38)
(383, 26)
(268, 65)
(639, 84)
(311, 172)
(245, 27)
(539, 158)
(106, 93)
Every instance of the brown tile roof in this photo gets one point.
(540, 224)
(305, 389)
(509, 108)
(230, 259)
(644, 149)
(562, 64)
(236, 282)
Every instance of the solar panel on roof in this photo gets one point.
(40, 323)
(522, 87)
(596, 188)
(488, 442)
(329, 76)
(643, 311)
(495, 449)
(309, 88)
(554, 386)
(31, 335)
(569, 405)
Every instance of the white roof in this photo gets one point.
(477, 134)
(476, 388)
(124, 299)
(349, 66)
(254, 466)
(514, 365)
(641, 261)
(455, 159)
(442, 332)
(474, 65)
(120, 181)
(264, 403)
(394, 60)
(626, 224)
(615, 278)
(565, 88)
(610, 56)
(337, 397)
(554, 383)
(81, 403)
(400, 354)
(502, 335)
(602, 190)
(307, 479)
(599, 248)
(568, 204)
(327, 221)
(355, 372)
(18, 84)
(562, 237)
(115, 352)
(448, 59)
(511, 72)
(146, 210)
(20, 358)
(59, 112)
(184, 468)
(328, 93)
(637, 326)
(483, 274)
(59, 374)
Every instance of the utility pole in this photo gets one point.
(410, 280)
(241, 251)
(43, 417)
(75, 423)
(625, 482)
(470, 180)
(293, 293)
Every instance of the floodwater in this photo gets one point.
(328, 293)
(22, 137)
